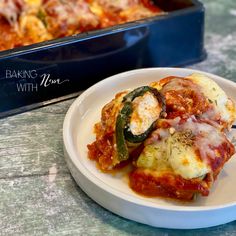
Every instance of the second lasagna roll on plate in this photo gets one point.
(181, 158)
(126, 122)
(197, 95)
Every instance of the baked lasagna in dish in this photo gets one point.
(172, 132)
(24, 22)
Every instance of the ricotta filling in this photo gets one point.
(146, 110)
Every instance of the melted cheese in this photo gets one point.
(33, 3)
(96, 9)
(154, 157)
(33, 27)
(10, 11)
(210, 137)
(174, 157)
(185, 149)
(146, 110)
(117, 5)
(183, 159)
(224, 107)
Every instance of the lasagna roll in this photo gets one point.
(181, 158)
(222, 109)
(126, 122)
(197, 95)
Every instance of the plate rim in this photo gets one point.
(132, 199)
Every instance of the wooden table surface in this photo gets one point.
(37, 193)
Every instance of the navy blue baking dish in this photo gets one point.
(51, 71)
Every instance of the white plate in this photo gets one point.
(113, 192)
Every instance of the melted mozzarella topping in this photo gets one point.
(209, 136)
(117, 5)
(33, 3)
(11, 10)
(32, 26)
(223, 106)
(147, 158)
(71, 13)
(185, 149)
(208, 133)
(184, 160)
(146, 110)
